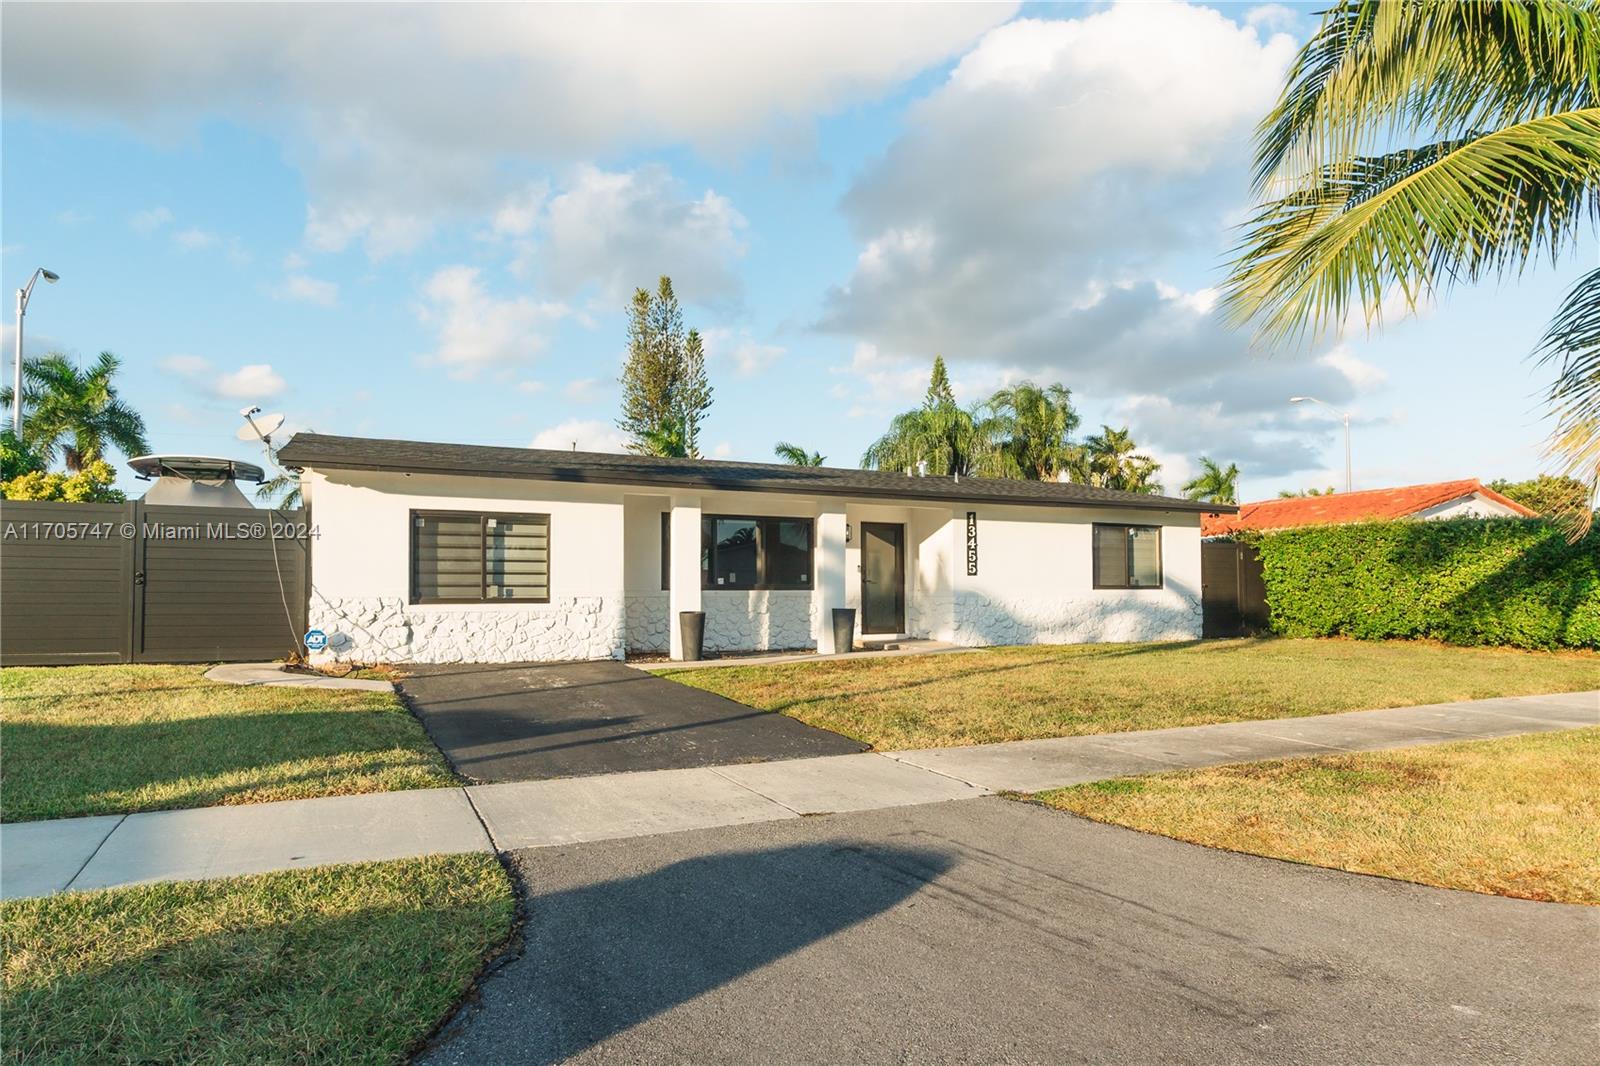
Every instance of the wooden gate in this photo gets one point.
(117, 583)
(1233, 595)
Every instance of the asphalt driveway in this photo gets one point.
(991, 931)
(532, 721)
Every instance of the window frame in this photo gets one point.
(766, 527)
(666, 551)
(1127, 581)
(483, 596)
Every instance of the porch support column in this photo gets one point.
(683, 568)
(830, 590)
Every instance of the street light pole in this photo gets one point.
(1344, 416)
(23, 295)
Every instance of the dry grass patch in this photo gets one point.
(1025, 693)
(80, 740)
(343, 964)
(1518, 816)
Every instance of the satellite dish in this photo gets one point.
(265, 426)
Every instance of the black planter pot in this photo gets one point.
(692, 627)
(844, 630)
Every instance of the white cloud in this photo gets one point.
(590, 435)
(1273, 17)
(304, 289)
(1020, 223)
(73, 217)
(416, 124)
(187, 366)
(150, 220)
(255, 381)
(1361, 374)
(749, 356)
(477, 330)
(193, 239)
(621, 230)
(531, 388)
(520, 212)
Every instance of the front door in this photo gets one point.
(883, 578)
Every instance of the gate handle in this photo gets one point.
(138, 578)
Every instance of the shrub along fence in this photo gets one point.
(1465, 581)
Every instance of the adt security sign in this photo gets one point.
(316, 640)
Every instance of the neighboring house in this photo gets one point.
(445, 552)
(1467, 498)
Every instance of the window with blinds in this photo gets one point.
(1127, 557)
(477, 558)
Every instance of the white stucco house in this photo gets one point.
(458, 553)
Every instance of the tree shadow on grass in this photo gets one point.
(362, 986)
(602, 957)
(57, 771)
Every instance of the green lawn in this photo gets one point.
(79, 740)
(1519, 816)
(1029, 692)
(342, 964)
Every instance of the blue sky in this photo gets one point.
(424, 221)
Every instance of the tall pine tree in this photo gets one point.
(665, 390)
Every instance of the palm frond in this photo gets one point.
(1572, 343)
(1415, 220)
(1381, 71)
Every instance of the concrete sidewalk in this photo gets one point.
(37, 858)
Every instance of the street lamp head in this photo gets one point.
(49, 275)
(1298, 399)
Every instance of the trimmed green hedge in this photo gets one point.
(1463, 581)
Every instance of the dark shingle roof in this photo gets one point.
(321, 451)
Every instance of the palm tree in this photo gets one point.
(941, 438)
(1501, 103)
(75, 414)
(667, 440)
(1037, 424)
(795, 455)
(282, 490)
(1214, 484)
(1112, 461)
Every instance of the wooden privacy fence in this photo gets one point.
(1233, 595)
(123, 582)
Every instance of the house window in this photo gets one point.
(461, 557)
(1127, 557)
(755, 553)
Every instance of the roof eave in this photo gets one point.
(571, 476)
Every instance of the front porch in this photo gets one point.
(768, 571)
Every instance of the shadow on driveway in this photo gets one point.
(533, 721)
(632, 948)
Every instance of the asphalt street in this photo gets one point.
(988, 931)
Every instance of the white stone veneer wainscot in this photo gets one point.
(758, 621)
(391, 630)
(647, 622)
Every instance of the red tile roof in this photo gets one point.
(1341, 507)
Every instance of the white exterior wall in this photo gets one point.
(361, 572)
(1471, 506)
(645, 601)
(1034, 582)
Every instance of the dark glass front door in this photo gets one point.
(883, 578)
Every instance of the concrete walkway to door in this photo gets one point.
(81, 853)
